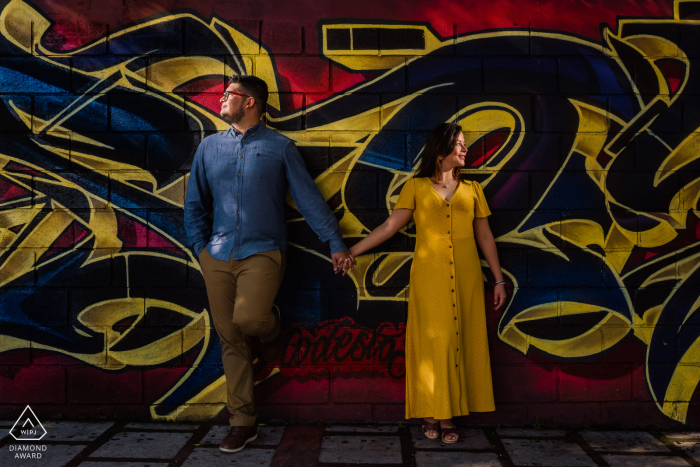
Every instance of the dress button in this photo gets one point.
(448, 231)
(457, 350)
(453, 290)
(456, 366)
(452, 277)
(450, 262)
(450, 246)
(454, 305)
(455, 318)
(458, 334)
(448, 215)
(448, 204)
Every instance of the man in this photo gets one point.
(242, 175)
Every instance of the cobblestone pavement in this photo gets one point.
(123, 444)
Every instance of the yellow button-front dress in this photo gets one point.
(448, 371)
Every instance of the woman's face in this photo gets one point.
(458, 155)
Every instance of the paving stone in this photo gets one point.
(678, 434)
(163, 426)
(124, 464)
(691, 448)
(543, 453)
(456, 459)
(74, 431)
(216, 434)
(361, 450)
(267, 435)
(643, 461)
(208, 457)
(469, 438)
(530, 432)
(364, 428)
(55, 455)
(151, 445)
(623, 441)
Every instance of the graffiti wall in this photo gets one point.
(582, 121)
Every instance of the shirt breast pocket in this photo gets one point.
(265, 162)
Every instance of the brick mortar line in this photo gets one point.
(636, 454)
(160, 460)
(95, 444)
(155, 430)
(498, 447)
(491, 450)
(247, 446)
(408, 453)
(576, 437)
(339, 464)
(670, 443)
(189, 447)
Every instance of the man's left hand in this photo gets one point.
(343, 261)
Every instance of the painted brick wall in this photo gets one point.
(582, 126)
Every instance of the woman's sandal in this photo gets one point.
(450, 431)
(427, 426)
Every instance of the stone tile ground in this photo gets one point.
(124, 444)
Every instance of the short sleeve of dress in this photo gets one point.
(481, 208)
(407, 198)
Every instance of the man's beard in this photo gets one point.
(237, 116)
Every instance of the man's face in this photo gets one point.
(233, 108)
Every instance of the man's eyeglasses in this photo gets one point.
(228, 93)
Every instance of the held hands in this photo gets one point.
(499, 296)
(343, 261)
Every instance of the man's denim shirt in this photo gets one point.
(244, 180)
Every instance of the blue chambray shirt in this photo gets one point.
(244, 180)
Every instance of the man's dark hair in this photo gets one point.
(253, 86)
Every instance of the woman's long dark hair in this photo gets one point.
(441, 142)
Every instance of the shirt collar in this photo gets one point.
(250, 131)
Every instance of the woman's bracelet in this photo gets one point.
(499, 282)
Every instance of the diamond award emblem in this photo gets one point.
(28, 427)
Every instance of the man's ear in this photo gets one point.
(251, 102)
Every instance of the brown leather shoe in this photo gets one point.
(238, 437)
(271, 350)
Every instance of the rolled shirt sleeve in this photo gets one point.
(310, 202)
(198, 204)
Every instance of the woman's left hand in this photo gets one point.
(499, 296)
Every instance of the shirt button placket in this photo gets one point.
(452, 276)
(241, 167)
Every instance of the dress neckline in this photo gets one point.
(454, 192)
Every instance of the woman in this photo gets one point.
(448, 372)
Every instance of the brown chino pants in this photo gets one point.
(241, 296)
